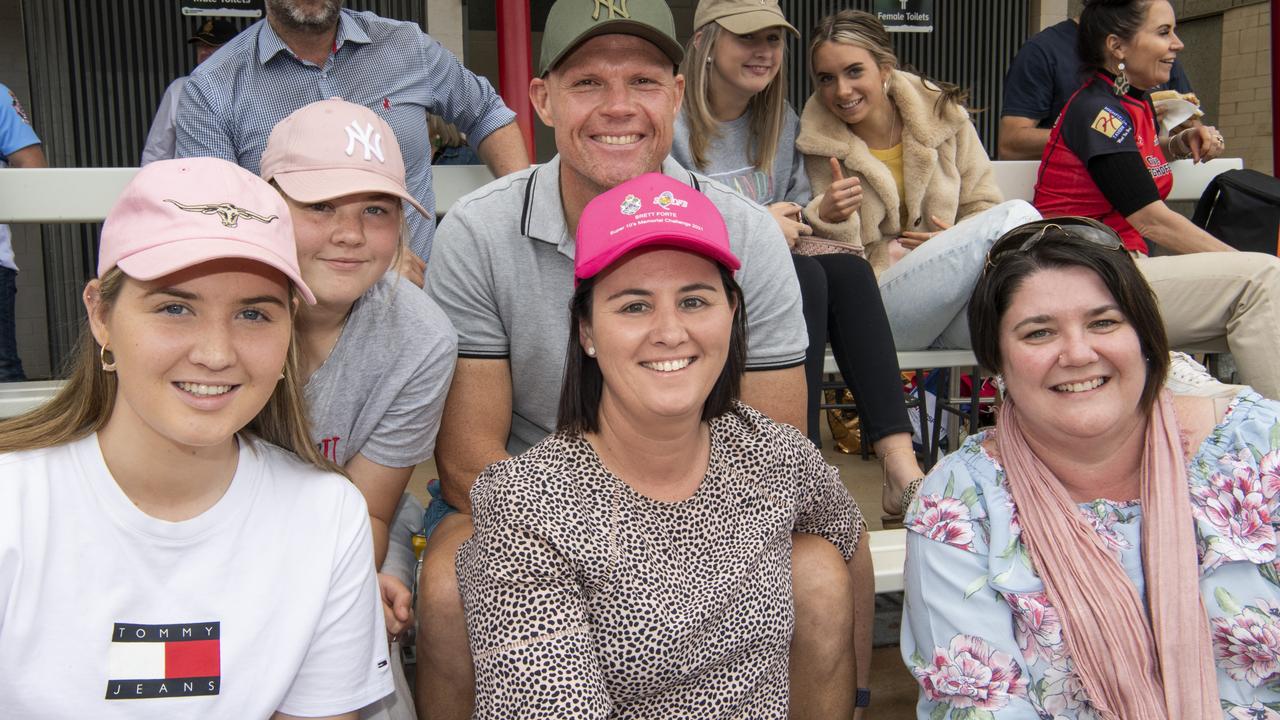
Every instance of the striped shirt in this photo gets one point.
(236, 97)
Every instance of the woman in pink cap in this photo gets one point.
(376, 354)
(151, 512)
(637, 563)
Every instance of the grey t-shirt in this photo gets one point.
(502, 270)
(729, 162)
(381, 391)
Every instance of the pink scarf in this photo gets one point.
(1130, 670)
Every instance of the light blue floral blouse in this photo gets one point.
(979, 633)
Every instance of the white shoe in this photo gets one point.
(1188, 377)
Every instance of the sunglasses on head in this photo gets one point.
(1078, 228)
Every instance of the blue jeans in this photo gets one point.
(436, 510)
(926, 294)
(10, 363)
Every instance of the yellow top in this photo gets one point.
(892, 159)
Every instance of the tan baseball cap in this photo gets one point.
(572, 22)
(742, 16)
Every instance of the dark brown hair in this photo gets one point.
(1100, 18)
(583, 383)
(1008, 267)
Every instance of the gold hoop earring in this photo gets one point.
(102, 357)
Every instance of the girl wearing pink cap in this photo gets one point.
(376, 353)
(151, 512)
(637, 563)
(737, 127)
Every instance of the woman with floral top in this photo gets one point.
(1108, 550)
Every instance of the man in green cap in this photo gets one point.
(502, 270)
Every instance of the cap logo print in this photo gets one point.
(228, 213)
(630, 205)
(372, 141)
(666, 200)
(616, 8)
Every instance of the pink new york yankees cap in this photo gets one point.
(175, 214)
(652, 210)
(333, 148)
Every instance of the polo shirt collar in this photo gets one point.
(542, 217)
(270, 44)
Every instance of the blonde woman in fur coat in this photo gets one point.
(912, 183)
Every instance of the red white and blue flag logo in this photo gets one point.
(157, 661)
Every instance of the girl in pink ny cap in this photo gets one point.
(637, 563)
(153, 512)
(376, 353)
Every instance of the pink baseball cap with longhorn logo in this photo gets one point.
(175, 214)
(650, 210)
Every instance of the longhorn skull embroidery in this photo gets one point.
(228, 213)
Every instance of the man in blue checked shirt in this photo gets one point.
(19, 148)
(308, 50)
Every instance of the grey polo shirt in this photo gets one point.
(502, 270)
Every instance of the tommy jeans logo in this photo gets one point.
(616, 8)
(372, 141)
(228, 213)
(156, 661)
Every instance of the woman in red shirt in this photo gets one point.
(1105, 158)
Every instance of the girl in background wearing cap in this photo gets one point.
(151, 513)
(737, 127)
(896, 162)
(637, 563)
(376, 354)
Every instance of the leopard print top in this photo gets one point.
(585, 599)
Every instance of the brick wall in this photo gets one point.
(1244, 114)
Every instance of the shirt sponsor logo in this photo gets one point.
(17, 108)
(1157, 166)
(328, 447)
(1111, 123)
(159, 661)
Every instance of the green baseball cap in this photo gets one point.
(572, 22)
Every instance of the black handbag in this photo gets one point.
(1242, 209)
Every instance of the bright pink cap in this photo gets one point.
(651, 210)
(178, 213)
(333, 148)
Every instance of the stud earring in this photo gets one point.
(591, 351)
(1122, 81)
(107, 366)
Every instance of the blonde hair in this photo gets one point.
(85, 402)
(864, 30)
(767, 108)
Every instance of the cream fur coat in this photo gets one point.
(945, 170)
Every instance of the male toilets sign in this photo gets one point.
(905, 15)
(222, 8)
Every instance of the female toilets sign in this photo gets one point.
(905, 15)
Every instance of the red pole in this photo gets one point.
(1275, 88)
(515, 68)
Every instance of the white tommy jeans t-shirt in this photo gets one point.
(267, 601)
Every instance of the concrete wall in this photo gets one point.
(32, 324)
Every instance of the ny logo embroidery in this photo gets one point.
(371, 140)
(616, 8)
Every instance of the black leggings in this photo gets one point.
(840, 294)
